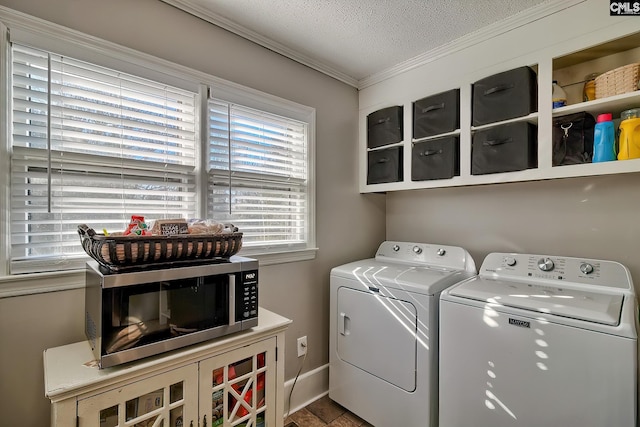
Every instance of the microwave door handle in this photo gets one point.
(232, 299)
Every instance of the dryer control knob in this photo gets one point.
(395, 248)
(545, 264)
(441, 252)
(510, 261)
(586, 268)
(417, 250)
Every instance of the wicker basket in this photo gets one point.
(127, 253)
(618, 81)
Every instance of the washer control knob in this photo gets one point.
(395, 248)
(417, 250)
(586, 268)
(545, 264)
(441, 252)
(510, 261)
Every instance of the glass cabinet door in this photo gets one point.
(237, 388)
(166, 400)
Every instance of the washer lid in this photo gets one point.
(572, 303)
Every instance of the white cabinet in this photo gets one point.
(232, 381)
(234, 387)
(556, 52)
(166, 399)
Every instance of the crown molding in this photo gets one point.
(263, 41)
(529, 15)
(486, 33)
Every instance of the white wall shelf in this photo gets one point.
(531, 118)
(442, 135)
(614, 105)
(558, 52)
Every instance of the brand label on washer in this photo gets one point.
(520, 323)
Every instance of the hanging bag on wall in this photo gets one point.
(573, 139)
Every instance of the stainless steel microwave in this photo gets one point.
(143, 313)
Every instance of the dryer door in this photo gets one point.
(377, 334)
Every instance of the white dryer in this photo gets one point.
(538, 340)
(383, 351)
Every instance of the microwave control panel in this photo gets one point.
(247, 303)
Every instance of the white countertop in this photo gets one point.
(72, 369)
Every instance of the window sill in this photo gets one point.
(271, 258)
(39, 283)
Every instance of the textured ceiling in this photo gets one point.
(356, 39)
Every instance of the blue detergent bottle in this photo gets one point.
(604, 140)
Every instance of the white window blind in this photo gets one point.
(92, 145)
(258, 175)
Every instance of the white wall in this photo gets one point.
(595, 217)
(349, 226)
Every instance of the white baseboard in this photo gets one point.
(309, 387)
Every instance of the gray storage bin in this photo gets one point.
(385, 126)
(435, 159)
(436, 114)
(504, 96)
(504, 148)
(384, 165)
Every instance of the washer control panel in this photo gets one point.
(452, 257)
(555, 268)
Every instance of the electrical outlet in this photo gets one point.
(302, 346)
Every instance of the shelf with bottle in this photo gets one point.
(575, 70)
(587, 78)
(613, 104)
(577, 74)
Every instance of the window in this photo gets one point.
(92, 145)
(258, 175)
(95, 141)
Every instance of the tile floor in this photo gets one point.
(324, 412)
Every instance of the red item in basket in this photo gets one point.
(137, 226)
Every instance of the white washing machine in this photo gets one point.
(538, 340)
(383, 351)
